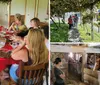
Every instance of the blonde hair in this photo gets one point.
(19, 17)
(37, 48)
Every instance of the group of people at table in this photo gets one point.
(32, 45)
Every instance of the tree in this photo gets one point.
(5, 1)
(60, 7)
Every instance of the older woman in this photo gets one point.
(34, 53)
(18, 24)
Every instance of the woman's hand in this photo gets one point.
(62, 76)
(13, 24)
(11, 27)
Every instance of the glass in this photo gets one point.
(2, 44)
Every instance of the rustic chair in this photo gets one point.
(31, 75)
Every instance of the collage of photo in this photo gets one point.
(49, 42)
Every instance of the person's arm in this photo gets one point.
(18, 39)
(20, 55)
(59, 73)
(95, 67)
(19, 47)
(62, 76)
(12, 26)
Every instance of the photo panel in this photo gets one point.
(78, 63)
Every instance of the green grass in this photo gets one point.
(87, 38)
(60, 34)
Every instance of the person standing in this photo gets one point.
(70, 22)
(76, 20)
(59, 74)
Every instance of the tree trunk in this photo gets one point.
(63, 18)
(92, 31)
(54, 23)
(86, 29)
(98, 28)
(59, 20)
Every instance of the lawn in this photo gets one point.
(87, 37)
(60, 34)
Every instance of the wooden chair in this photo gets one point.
(31, 75)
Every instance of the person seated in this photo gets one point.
(46, 33)
(15, 39)
(59, 74)
(31, 51)
(18, 25)
(35, 23)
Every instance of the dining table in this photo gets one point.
(5, 62)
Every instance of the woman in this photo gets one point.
(35, 23)
(59, 75)
(18, 25)
(36, 52)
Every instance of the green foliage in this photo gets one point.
(87, 18)
(98, 23)
(98, 5)
(5, 1)
(86, 37)
(61, 6)
(59, 35)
